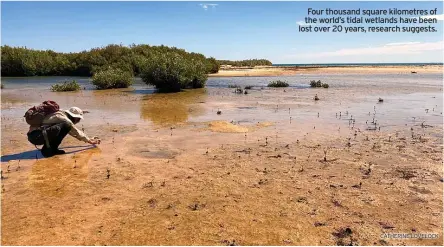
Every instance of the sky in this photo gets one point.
(224, 30)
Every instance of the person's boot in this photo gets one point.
(58, 151)
(46, 152)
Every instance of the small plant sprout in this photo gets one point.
(325, 154)
(206, 151)
(427, 110)
(301, 169)
(75, 163)
(8, 170)
(336, 115)
(340, 114)
(316, 98)
(318, 114)
(290, 119)
(366, 138)
(289, 110)
(1, 174)
(108, 173)
(266, 140)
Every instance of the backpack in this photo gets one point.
(35, 115)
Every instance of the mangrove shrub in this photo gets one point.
(318, 83)
(112, 78)
(66, 86)
(278, 83)
(173, 72)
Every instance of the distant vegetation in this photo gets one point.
(250, 62)
(112, 78)
(66, 86)
(278, 83)
(318, 83)
(19, 61)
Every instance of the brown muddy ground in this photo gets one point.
(275, 168)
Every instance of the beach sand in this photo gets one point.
(285, 71)
(274, 168)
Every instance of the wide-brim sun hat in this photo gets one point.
(75, 112)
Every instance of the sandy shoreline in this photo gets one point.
(286, 71)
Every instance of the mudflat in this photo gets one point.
(274, 168)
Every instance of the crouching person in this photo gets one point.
(54, 128)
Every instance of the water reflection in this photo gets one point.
(173, 108)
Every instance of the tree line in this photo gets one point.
(249, 62)
(21, 61)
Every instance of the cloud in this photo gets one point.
(402, 43)
(302, 23)
(387, 49)
(205, 6)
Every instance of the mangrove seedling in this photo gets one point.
(108, 173)
(325, 154)
(316, 97)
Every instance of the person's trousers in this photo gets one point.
(55, 134)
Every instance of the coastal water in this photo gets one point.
(409, 99)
